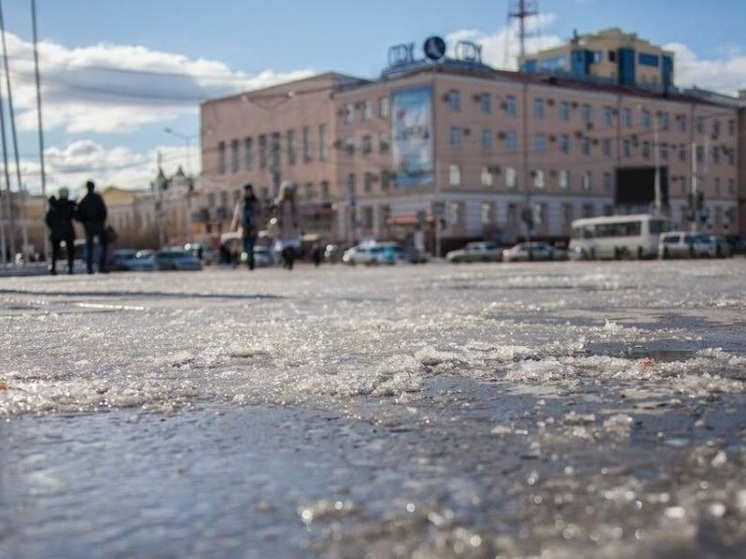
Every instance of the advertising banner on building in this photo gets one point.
(412, 114)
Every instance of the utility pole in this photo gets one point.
(521, 11)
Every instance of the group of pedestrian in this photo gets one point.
(91, 212)
(283, 226)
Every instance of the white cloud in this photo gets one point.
(727, 75)
(112, 90)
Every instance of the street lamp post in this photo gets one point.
(187, 144)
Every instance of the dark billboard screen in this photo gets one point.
(635, 186)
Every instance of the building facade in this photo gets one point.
(611, 56)
(461, 151)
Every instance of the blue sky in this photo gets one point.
(116, 74)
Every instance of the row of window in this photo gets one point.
(647, 118)
(564, 179)
(268, 149)
(540, 142)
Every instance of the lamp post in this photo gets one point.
(187, 139)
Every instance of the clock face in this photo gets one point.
(435, 48)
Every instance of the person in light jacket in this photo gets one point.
(285, 224)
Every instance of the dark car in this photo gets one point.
(172, 259)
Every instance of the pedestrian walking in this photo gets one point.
(59, 220)
(245, 221)
(285, 224)
(92, 213)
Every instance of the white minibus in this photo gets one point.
(618, 236)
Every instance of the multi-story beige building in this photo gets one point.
(611, 56)
(461, 150)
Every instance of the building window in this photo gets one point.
(455, 214)
(454, 175)
(511, 141)
(487, 213)
(585, 145)
(367, 144)
(308, 191)
(248, 153)
(383, 107)
(350, 147)
(485, 103)
(262, 151)
(384, 143)
(646, 150)
(349, 113)
(645, 118)
(732, 187)
(564, 111)
(700, 125)
(456, 136)
(385, 180)
(307, 144)
(682, 152)
(540, 143)
(539, 179)
(511, 177)
(585, 114)
(663, 120)
(538, 108)
(608, 116)
(731, 128)
(487, 138)
(454, 100)
(663, 150)
(323, 142)
(324, 191)
(367, 110)
(627, 118)
(715, 129)
(587, 210)
(627, 148)
(587, 182)
(607, 147)
(564, 143)
(681, 123)
(485, 177)
(368, 179)
(234, 156)
(291, 147)
(564, 179)
(221, 158)
(683, 185)
(275, 153)
(510, 105)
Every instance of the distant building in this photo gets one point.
(610, 56)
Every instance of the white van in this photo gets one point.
(681, 244)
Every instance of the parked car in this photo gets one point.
(368, 254)
(144, 261)
(264, 257)
(737, 244)
(533, 251)
(681, 244)
(480, 251)
(174, 259)
(722, 246)
(121, 259)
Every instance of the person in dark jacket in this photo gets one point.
(59, 219)
(246, 220)
(91, 212)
